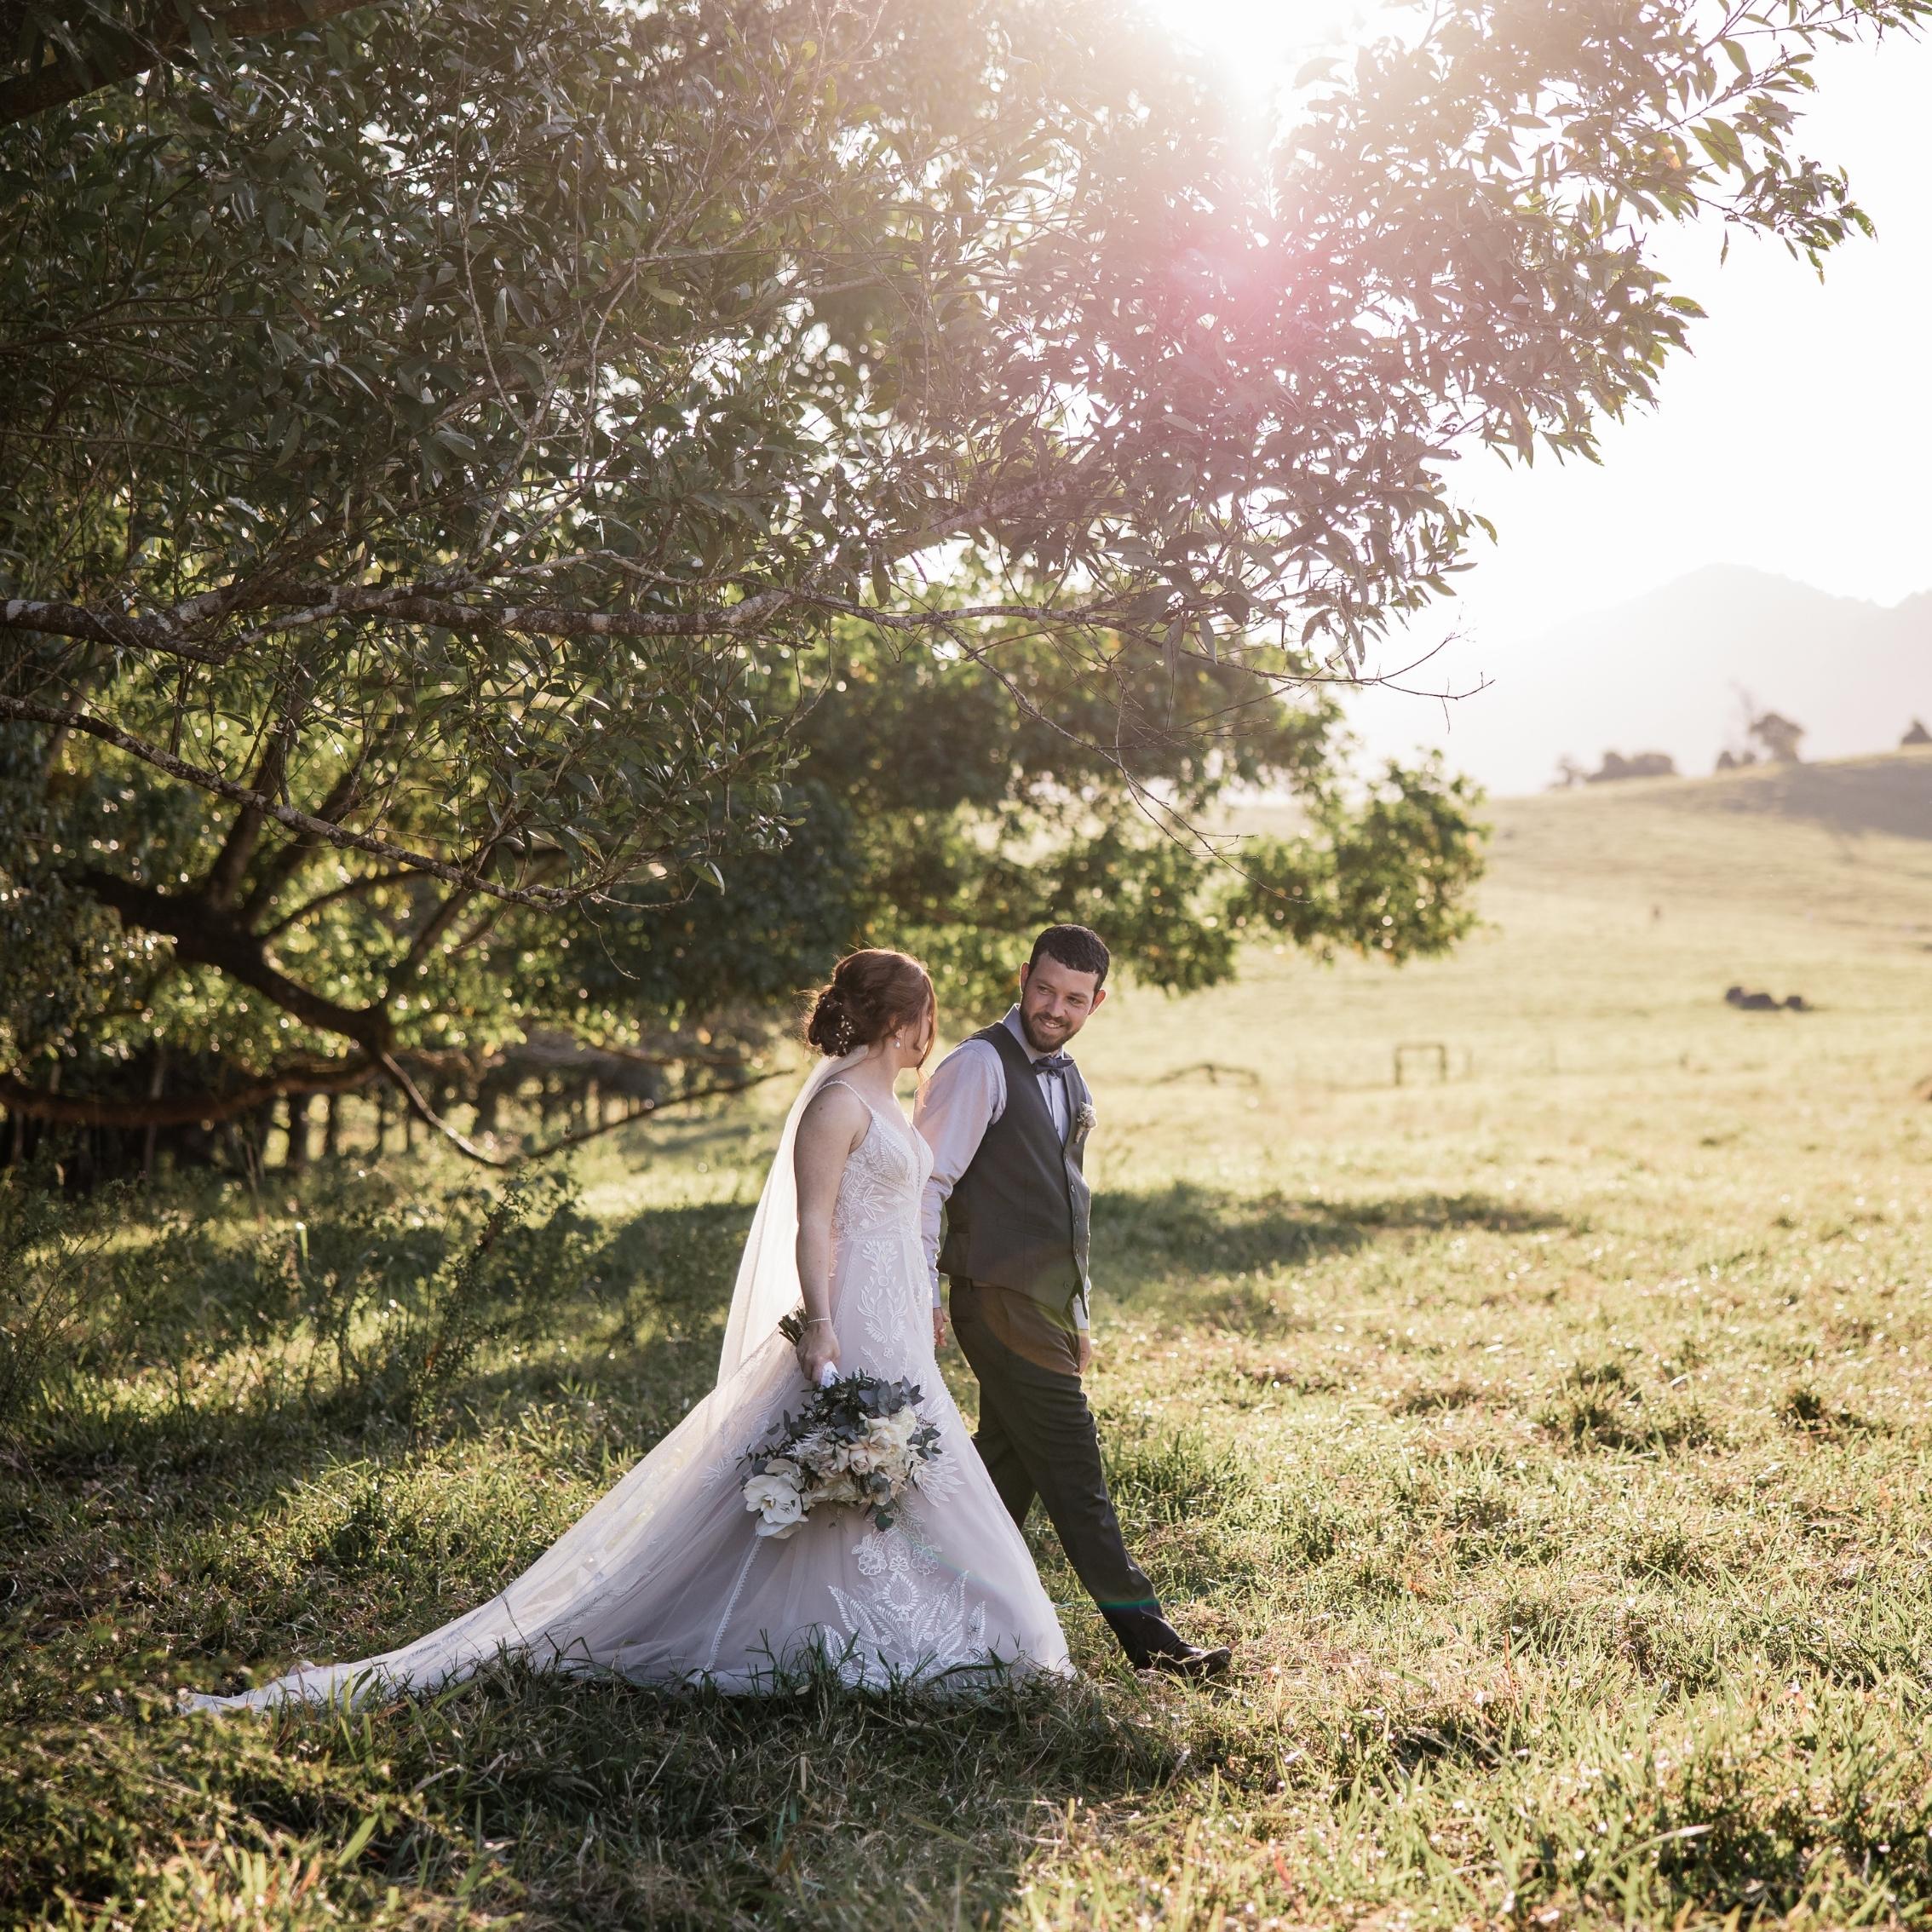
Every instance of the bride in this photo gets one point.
(665, 1579)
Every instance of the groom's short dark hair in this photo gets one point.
(1078, 946)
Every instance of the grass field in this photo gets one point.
(1551, 1440)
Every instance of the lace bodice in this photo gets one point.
(882, 1306)
(884, 1177)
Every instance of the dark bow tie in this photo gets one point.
(1053, 1063)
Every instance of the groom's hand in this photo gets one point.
(1086, 1351)
(938, 1330)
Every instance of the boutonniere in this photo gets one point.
(1084, 1117)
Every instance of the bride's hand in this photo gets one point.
(817, 1348)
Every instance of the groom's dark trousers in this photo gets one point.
(1036, 1438)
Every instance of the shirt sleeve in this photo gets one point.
(956, 1106)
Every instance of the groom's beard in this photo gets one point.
(1051, 1042)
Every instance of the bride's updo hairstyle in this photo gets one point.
(872, 993)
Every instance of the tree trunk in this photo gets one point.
(154, 1085)
(330, 1128)
(295, 1160)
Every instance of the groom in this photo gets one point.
(1006, 1116)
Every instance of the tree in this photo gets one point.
(448, 441)
(1779, 736)
(924, 816)
(1638, 765)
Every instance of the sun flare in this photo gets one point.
(1255, 46)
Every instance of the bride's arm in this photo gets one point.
(832, 1126)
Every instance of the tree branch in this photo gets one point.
(276, 871)
(649, 1109)
(203, 934)
(114, 628)
(424, 1111)
(636, 1056)
(163, 34)
(283, 814)
(225, 875)
(427, 934)
(413, 1098)
(364, 881)
(83, 1110)
(407, 603)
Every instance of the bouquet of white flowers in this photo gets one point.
(858, 1441)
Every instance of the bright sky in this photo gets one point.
(1795, 438)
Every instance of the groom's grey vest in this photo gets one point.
(1018, 1216)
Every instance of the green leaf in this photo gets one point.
(358, 1842)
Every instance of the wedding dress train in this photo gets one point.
(665, 1580)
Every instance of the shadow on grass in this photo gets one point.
(601, 1803)
(673, 1268)
(1891, 794)
(580, 1804)
(638, 1310)
(1599, 1407)
(1186, 1232)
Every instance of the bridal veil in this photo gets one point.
(585, 1587)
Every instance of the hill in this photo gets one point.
(1665, 671)
(1852, 838)
(1614, 918)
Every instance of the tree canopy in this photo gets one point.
(516, 512)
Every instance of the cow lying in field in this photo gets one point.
(1763, 1002)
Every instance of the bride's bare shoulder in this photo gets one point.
(835, 1113)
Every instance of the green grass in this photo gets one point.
(1552, 1442)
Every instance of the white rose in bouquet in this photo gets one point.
(888, 1435)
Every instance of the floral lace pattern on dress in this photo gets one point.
(907, 1609)
(878, 1193)
(870, 1283)
(880, 1174)
(896, 1610)
(940, 1480)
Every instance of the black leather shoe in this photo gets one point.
(1191, 1661)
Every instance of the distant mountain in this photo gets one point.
(1663, 673)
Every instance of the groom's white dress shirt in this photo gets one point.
(964, 1098)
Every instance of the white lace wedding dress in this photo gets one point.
(665, 1580)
